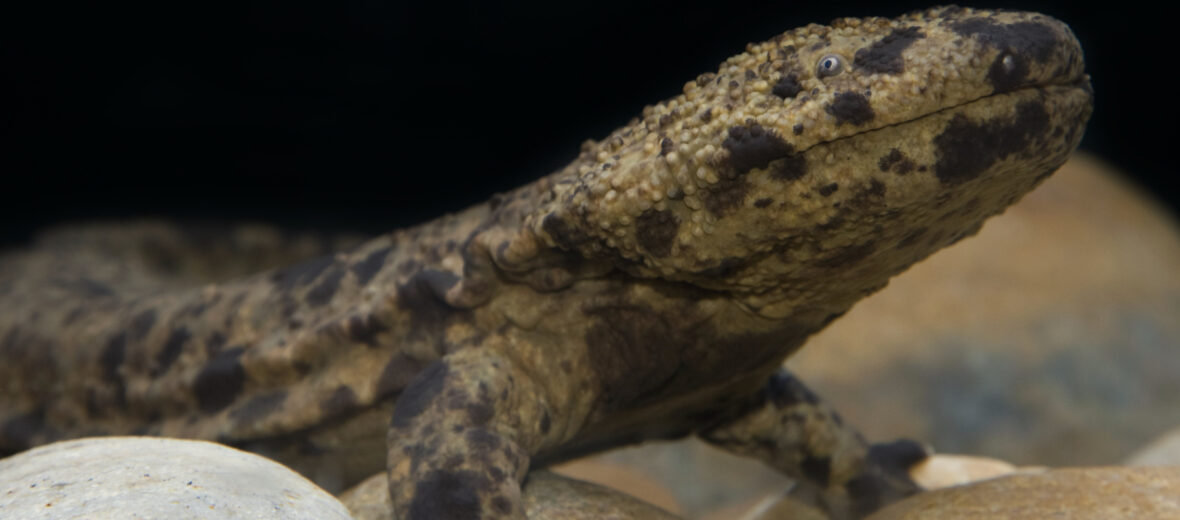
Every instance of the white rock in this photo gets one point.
(942, 470)
(1164, 451)
(147, 477)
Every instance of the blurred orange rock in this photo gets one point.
(1050, 338)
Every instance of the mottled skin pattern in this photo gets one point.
(650, 289)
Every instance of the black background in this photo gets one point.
(366, 115)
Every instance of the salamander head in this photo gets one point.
(836, 154)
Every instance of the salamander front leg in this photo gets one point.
(460, 440)
(790, 429)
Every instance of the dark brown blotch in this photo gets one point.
(448, 495)
(784, 390)
(787, 86)
(408, 266)
(817, 470)
(828, 189)
(141, 324)
(220, 381)
(214, 343)
(887, 476)
(753, 146)
(497, 475)
(566, 236)
(851, 107)
(501, 504)
(1019, 44)
(342, 400)
(875, 190)
(836, 221)
(482, 442)
(86, 288)
(723, 269)
(896, 457)
(479, 412)
(480, 409)
(453, 462)
(112, 357)
(789, 168)
(397, 374)
(707, 115)
(846, 256)
(884, 55)
(423, 299)
(666, 146)
(727, 194)
(288, 279)
(896, 161)
(171, 351)
(762, 203)
(417, 453)
(323, 291)
(364, 329)
(626, 344)
(368, 267)
(912, 237)
(655, 231)
(966, 148)
(417, 397)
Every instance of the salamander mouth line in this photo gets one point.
(1080, 82)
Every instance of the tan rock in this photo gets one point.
(775, 507)
(369, 500)
(628, 479)
(1101, 493)
(546, 496)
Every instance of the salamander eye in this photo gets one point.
(829, 65)
(1009, 63)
